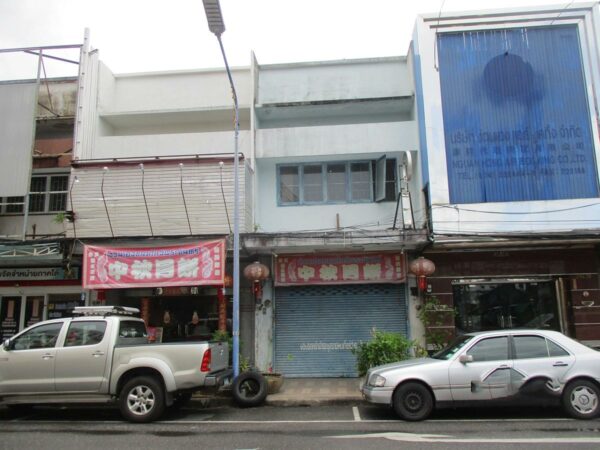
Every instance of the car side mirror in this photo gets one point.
(464, 358)
(6, 344)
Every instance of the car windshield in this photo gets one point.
(453, 347)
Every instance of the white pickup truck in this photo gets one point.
(102, 355)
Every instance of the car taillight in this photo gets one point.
(205, 367)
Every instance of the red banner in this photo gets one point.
(352, 268)
(202, 263)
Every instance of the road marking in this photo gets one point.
(410, 437)
(201, 420)
(356, 414)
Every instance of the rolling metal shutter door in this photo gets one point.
(315, 326)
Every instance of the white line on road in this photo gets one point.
(356, 414)
(410, 437)
(258, 422)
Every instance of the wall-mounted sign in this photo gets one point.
(352, 268)
(39, 273)
(201, 263)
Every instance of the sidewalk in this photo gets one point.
(301, 392)
(316, 391)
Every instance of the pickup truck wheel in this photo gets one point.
(581, 399)
(142, 400)
(249, 389)
(413, 401)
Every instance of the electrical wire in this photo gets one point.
(457, 208)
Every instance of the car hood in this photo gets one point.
(404, 364)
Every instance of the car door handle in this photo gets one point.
(98, 353)
(560, 364)
(47, 356)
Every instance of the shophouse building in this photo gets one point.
(508, 128)
(37, 281)
(153, 198)
(336, 142)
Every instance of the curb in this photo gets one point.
(227, 401)
(325, 401)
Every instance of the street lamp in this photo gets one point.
(212, 8)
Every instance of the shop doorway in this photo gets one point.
(494, 305)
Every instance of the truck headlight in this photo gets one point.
(377, 381)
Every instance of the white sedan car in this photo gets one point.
(481, 368)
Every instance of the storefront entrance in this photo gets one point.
(316, 327)
(501, 304)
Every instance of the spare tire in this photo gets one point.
(249, 389)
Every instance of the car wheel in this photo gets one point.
(581, 399)
(413, 401)
(249, 389)
(142, 400)
(181, 400)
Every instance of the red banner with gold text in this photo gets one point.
(201, 263)
(352, 268)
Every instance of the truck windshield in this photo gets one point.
(454, 346)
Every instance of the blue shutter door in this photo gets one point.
(316, 326)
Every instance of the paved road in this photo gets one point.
(332, 427)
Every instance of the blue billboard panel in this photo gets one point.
(516, 116)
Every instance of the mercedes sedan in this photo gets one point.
(508, 366)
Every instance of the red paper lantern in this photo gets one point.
(256, 273)
(422, 268)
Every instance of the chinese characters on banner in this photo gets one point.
(340, 269)
(201, 263)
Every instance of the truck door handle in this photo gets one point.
(47, 356)
(560, 364)
(98, 353)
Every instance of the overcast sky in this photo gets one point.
(153, 35)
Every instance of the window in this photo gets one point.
(132, 329)
(47, 194)
(337, 182)
(44, 336)
(132, 332)
(530, 347)
(360, 182)
(555, 349)
(493, 349)
(85, 333)
(289, 184)
(536, 347)
(312, 177)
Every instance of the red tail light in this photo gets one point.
(205, 367)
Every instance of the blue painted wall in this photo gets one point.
(516, 116)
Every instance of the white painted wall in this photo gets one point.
(170, 144)
(341, 80)
(160, 114)
(349, 140)
(172, 91)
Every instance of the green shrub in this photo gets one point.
(383, 348)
